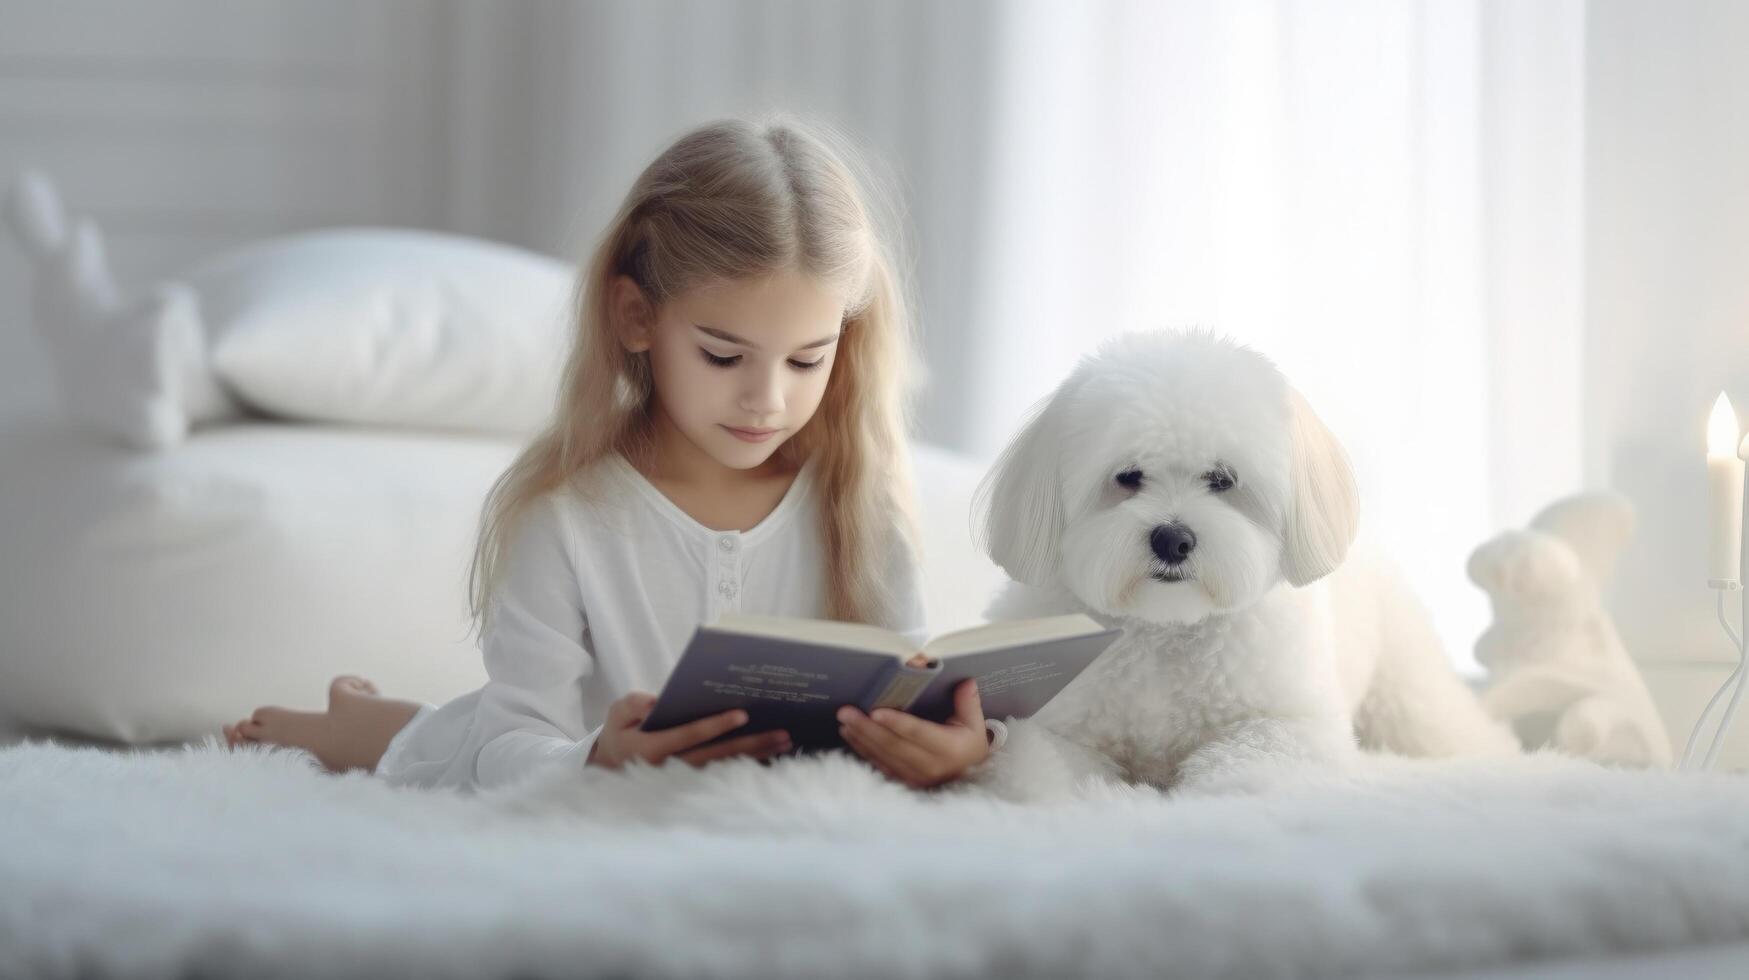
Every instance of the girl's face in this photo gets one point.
(739, 367)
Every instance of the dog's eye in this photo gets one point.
(1130, 479)
(1219, 480)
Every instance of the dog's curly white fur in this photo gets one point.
(1177, 486)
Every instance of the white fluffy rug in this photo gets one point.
(208, 863)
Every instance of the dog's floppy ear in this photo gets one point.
(1324, 514)
(1018, 507)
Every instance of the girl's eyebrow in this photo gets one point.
(731, 338)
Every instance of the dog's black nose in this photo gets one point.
(1173, 542)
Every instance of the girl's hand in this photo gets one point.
(920, 753)
(620, 740)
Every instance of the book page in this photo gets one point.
(996, 636)
(852, 636)
(1013, 681)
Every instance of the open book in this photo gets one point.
(795, 674)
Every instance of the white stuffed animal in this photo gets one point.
(133, 366)
(1558, 671)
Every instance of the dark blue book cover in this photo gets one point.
(795, 674)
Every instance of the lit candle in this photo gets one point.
(1724, 471)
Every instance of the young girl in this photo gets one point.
(729, 436)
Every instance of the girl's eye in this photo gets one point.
(1130, 479)
(1219, 480)
(716, 361)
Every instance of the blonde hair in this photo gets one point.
(736, 200)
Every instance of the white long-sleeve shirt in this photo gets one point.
(598, 599)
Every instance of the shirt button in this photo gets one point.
(727, 589)
(726, 543)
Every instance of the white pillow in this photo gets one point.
(385, 326)
(363, 325)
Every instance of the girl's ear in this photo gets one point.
(1324, 515)
(633, 319)
(1021, 502)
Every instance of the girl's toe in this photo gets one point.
(351, 684)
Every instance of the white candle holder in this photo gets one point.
(1739, 643)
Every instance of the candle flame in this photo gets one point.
(1721, 429)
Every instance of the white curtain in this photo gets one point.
(1381, 195)
(1323, 182)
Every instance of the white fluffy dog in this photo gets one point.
(1176, 486)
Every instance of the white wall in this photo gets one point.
(1667, 311)
(183, 127)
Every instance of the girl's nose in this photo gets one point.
(765, 396)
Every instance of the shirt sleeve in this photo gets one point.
(537, 656)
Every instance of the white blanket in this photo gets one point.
(203, 862)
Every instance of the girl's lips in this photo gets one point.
(751, 435)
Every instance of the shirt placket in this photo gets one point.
(726, 592)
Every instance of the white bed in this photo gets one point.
(152, 596)
(149, 597)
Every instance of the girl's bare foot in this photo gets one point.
(351, 734)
